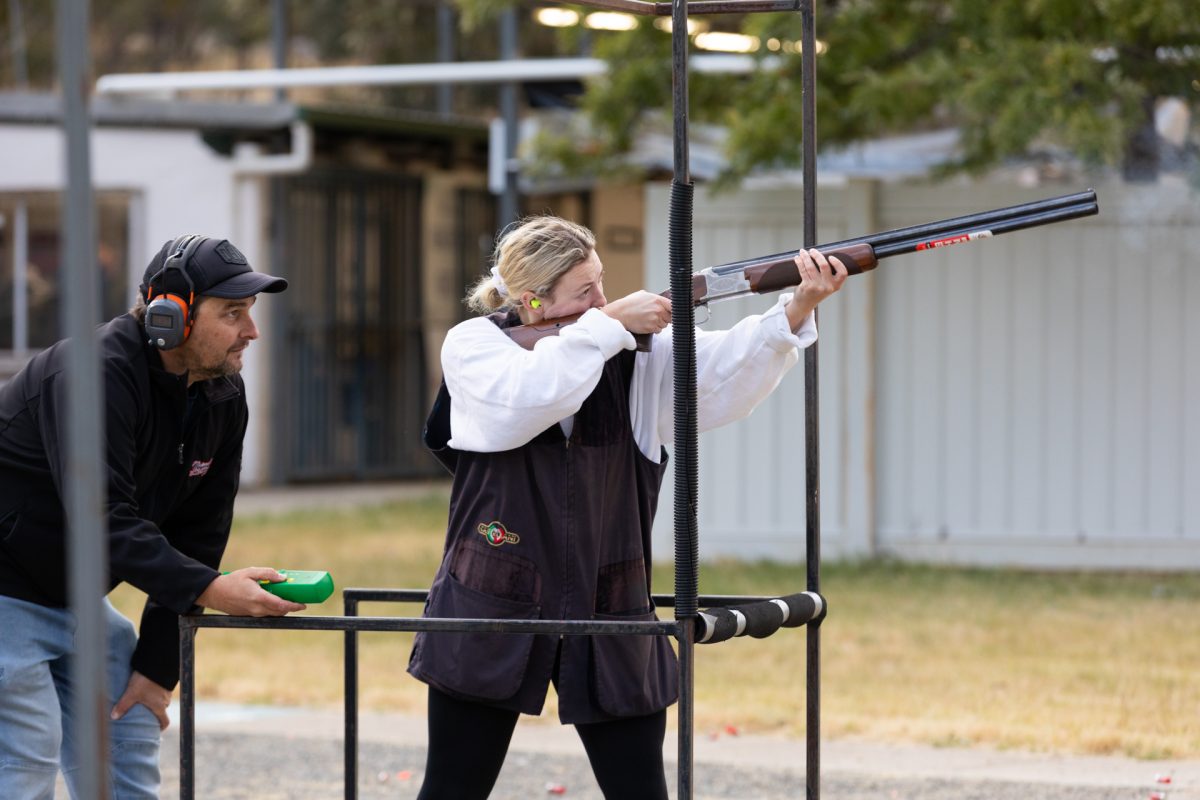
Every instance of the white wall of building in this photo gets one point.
(180, 186)
(1030, 400)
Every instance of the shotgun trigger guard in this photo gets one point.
(719, 286)
(707, 314)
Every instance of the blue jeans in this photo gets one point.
(36, 714)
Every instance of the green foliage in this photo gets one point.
(1015, 77)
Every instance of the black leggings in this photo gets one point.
(468, 742)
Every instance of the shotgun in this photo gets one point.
(778, 271)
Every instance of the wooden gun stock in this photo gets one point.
(529, 335)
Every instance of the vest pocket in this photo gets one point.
(488, 666)
(633, 675)
(491, 571)
(622, 588)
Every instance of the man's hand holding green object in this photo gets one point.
(265, 592)
(301, 586)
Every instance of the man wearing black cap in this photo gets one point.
(174, 418)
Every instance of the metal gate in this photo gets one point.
(351, 245)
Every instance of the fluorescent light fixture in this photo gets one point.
(610, 21)
(557, 17)
(694, 25)
(726, 42)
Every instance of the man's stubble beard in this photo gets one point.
(226, 367)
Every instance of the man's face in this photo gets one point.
(221, 332)
(580, 288)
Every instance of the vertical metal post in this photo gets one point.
(277, 320)
(686, 437)
(510, 200)
(445, 54)
(187, 712)
(812, 451)
(87, 541)
(350, 712)
(20, 299)
(279, 40)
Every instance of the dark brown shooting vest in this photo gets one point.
(556, 529)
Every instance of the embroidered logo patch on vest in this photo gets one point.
(199, 468)
(496, 534)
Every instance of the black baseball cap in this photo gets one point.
(217, 269)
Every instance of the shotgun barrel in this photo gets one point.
(929, 230)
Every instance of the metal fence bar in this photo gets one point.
(686, 529)
(586, 627)
(187, 711)
(351, 597)
(357, 596)
(351, 623)
(189, 624)
(812, 450)
(350, 711)
(85, 476)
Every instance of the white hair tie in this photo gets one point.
(501, 289)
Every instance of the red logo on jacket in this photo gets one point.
(199, 468)
(496, 534)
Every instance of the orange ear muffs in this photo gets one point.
(168, 320)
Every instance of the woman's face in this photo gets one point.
(580, 288)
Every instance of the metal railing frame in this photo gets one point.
(351, 624)
(687, 599)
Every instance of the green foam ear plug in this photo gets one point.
(301, 586)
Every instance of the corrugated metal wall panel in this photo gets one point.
(1046, 393)
(1035, 396)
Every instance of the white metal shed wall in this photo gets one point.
(1038, 393)
(1018, 401)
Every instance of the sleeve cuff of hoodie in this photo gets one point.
(780, 336)
(157, 653)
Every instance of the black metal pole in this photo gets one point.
(85, 483)
(812, 451)
(350, 605)
(686, 436)
(187, 712)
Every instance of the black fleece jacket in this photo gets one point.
(172, 474)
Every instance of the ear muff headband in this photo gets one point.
(168, 315)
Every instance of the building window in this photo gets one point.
(31, 266)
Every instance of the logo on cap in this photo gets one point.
(230, 254)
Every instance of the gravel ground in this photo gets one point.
(275, 768)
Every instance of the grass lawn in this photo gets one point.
(1067, 662)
